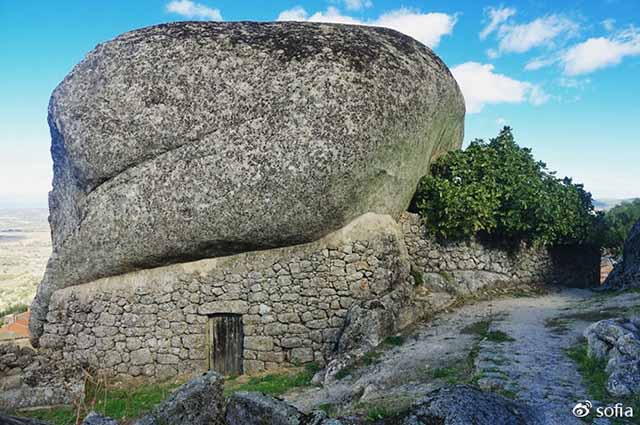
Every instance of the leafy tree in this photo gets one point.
(618, 222)
(497, 190)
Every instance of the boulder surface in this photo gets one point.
(617, 342)
(192, 140)
(626, 274)
(198, 402)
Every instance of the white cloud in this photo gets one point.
(480, 86)
(609, 24)
(357, 4)
(542, 31)
(501, 121)
(537, 63)
(192, 10)
(496, 18)
(601, 52)
(295, 14)
(428, 28)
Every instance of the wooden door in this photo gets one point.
(225, 343)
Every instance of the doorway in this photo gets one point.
(225, 338)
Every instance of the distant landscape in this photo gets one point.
(25, 246)
(606, 204)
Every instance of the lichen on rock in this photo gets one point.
(193, 140)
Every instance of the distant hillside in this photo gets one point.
(607, 204)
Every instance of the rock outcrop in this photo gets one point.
(626, 274)
(94, 418)
(198, 139)
(463, 405)
(14, 420)
(245, 408)
(198, 402)
(617, 342)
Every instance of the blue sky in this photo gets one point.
(564, 74)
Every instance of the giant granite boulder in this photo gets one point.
(626, 273)
(198, 139)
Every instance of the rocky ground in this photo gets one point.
(514, 346)
(25, 246)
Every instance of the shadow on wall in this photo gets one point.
(576, 266)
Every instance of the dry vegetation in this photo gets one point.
(25, 246)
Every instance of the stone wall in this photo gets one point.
(293, 303)
(304, 303)
(468, 268)
(28, 378)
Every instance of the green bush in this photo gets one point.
(497, 190)
(618, 222)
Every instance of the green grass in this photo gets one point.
(383, 408)
(55, 416)
(482, 330)
(275, 384)
(376, 413)
(395, 340)
(418, 280)
(119, 404)
(594, 376)
(329, 408)
(460, 372)
(368, 359)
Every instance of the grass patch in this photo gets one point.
(274, 384)
(594, 375)
(557, 325)
(368, 359)
(55, 415)
(121, 404)
(418, 280)
(329, 408)
(377, 413)
(481, 329)
(383, 408)
(394, 340)
(461, 372)
(447, 277)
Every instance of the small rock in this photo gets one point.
(198, 402)
(94, 418)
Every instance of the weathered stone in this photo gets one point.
(94, 418)
(198, 402)
(617, 341)
(626, 274)
(258, 409)
(297, 127)
(464, 405)
(14, 420)
(141, 357)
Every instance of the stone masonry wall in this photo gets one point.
(468, 268)
(298, 304)
(28, 378)
(293, 303)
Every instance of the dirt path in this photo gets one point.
(514, 346)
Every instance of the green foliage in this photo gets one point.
(14, 309)
(394, 340)
(498, 190)
(418, 280)
(595, 377)
(618, 222)
(482, 330)
(276, 384)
